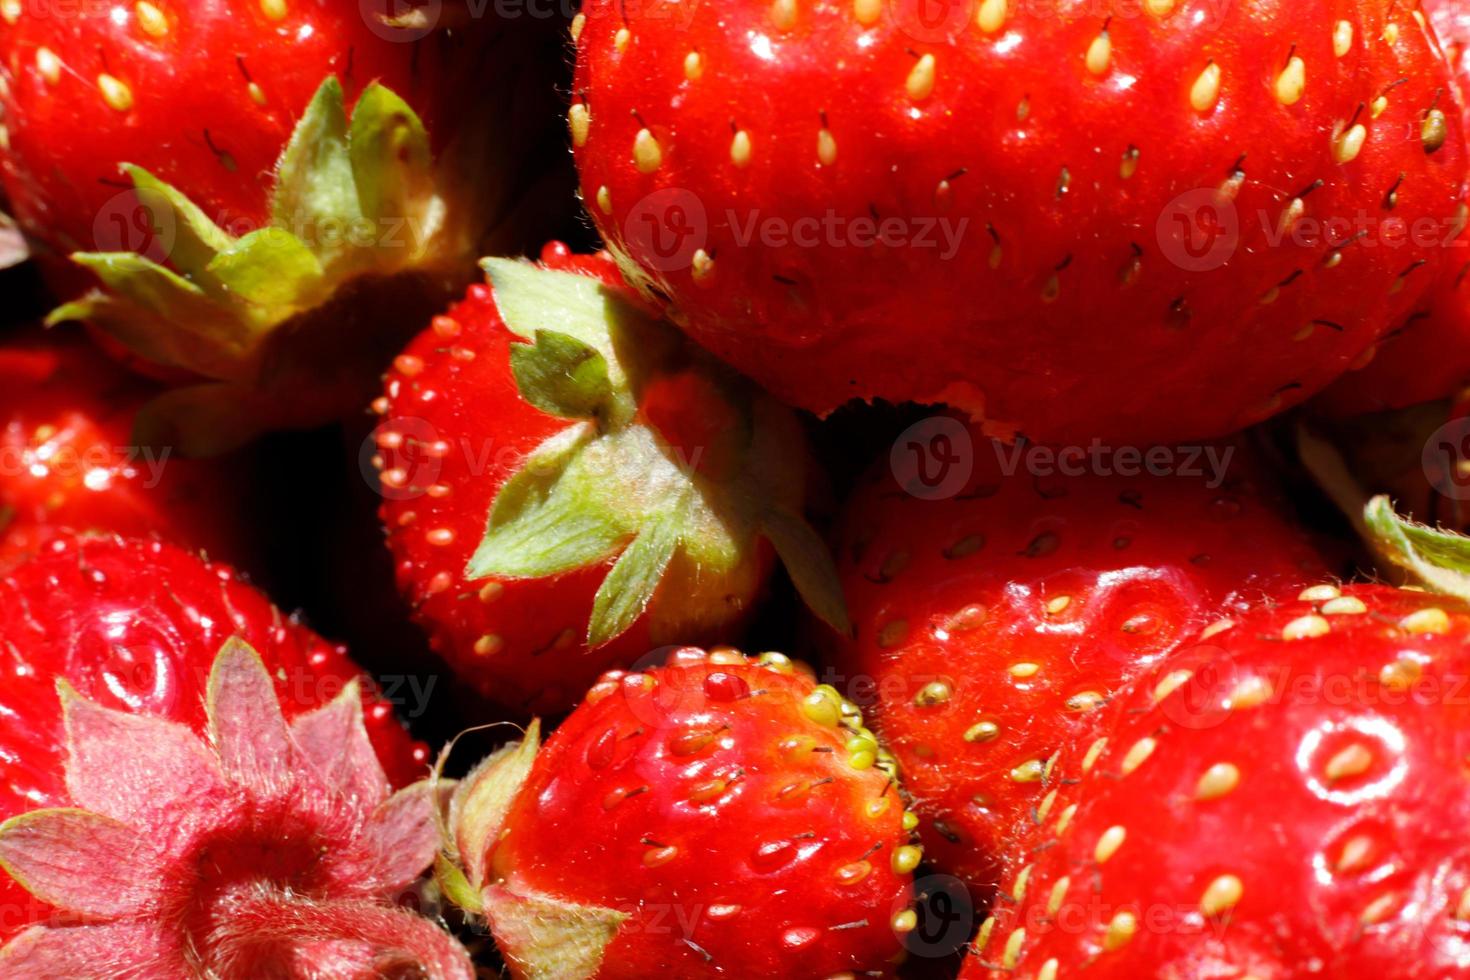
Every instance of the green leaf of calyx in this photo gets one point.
(315, 188)
(1439, 559)
(271, 267)
(545, 520)
(810, 566)
(392, 164)
(196, 239)
(630, 585)
(560, 375)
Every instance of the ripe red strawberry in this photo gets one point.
(180, 804)
(1055, 219)
(1425, 357)
(155, 141)
(714, 817)
(569, 482)
(1286, 800)
(68, 460)
(991, 626)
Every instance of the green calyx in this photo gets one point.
(1437, 559)
(614, 487)
(355, 199)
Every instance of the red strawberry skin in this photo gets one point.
(1070, 305)
(739, 836)
(191, 115)
(1424, 358)
(458, 428)
(135, 626)
(993, 626)
(70, 461)
(1295, 808)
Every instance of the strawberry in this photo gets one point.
(1287, 799)
(180, 804)
(712, 817)
(568, 482)
(992, 625)
(68, 460)
(1065, 221)
(273, 266)
(1422, 358)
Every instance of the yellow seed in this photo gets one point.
(1221, 896)
(821, 708)
(1351, 761)
(1048, 970)
(1171, 682)
(826, 147)
(115, 92)
(1058, 895)
(150, 19)
(273, 9)
(1462, 909)
(1138, 754)
(1057, 604)
(1378, 909)
(693, 66)
(982, 731)
(906, 859)
(1089, 759)
(1249, 693)
(1218, 780)
(1356, 855)
(1018, 890)
(1391, 34)
(783, 14)
(1217, 627)
(1109, 842)
(579, 119)
(920, 82)
(1347, 146)
(1431, 619)
(1065, 820)
(647, 154)
(1292, 81)
(1304, 627)
(1085, 701)
(905, 921)
(992, 15)
(11, 10)
(1400, 675)
(1120, 930)
(932, 693)
(604, 199)
(1047, 802)
(1024, 669)
(488, 644)
(256, 93)
(49, 65)
(910, 820)
(621, 39)
(1205, 91)
(702, 268)
(659, 855)
(1099, 54)
(1377, 106)
(578, 22)
(1029, 772)
(1342, 38)
(1129, 166)
(1159, 8)
(1348, 605)
(1319, 593)
(1012, 953)
(876, 808)
(982, 938)
(893, 633)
